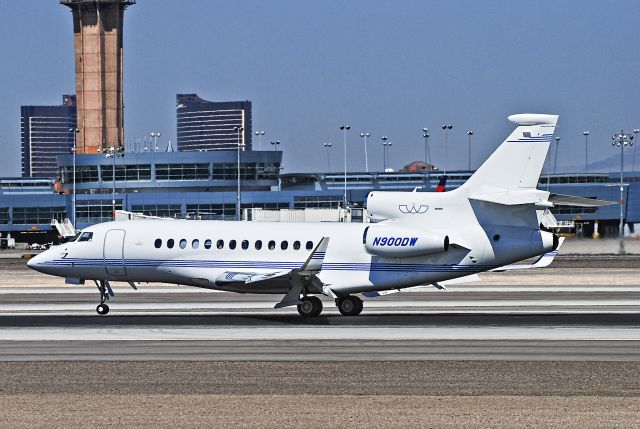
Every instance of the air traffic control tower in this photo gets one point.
(97, 29)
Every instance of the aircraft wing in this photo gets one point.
(295, 277)
(543, 261)
(440, 285)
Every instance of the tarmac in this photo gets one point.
(556, 347)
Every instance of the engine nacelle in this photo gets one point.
(390, 241)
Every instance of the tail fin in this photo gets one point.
(518, 162)
(441, 184)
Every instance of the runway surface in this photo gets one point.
(581, 310)
(558, 347)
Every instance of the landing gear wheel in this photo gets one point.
(102, 309)
(349, 305)
(311, 306)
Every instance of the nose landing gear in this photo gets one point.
(349, 305)
(105, 291)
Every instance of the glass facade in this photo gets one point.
(37, 215)
(4, 215)
(84, 174)
(182, 171)
(323, 201)
(95, 211)
(206, 125)
(45, 133)
(161, 210)
(126, 173)
(211, 211)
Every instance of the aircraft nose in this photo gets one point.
(35, 261)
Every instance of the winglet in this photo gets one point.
(314, 262)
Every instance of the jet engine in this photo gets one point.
(391, 241)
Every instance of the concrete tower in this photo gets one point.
(97, 29)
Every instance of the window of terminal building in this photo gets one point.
(211, 211)
(267, 171)
(37, 215)
(4, 215)
(320, 202)
(182, 172)
(96, 211)
(126, 173)
(84, 174)
(160, 210)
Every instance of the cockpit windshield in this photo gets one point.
(85, 236)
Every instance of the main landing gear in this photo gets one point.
(349, 305)
(105, 292)
(311, 306)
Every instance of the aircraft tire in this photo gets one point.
(311, 306)
(349, 305)
(102, 309)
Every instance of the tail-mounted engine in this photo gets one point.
(400, 242)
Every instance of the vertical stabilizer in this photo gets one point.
(518, 162)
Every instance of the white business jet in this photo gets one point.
(418, 238)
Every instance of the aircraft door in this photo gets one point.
(114, 252)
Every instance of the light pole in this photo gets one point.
(384, 153)
(446, 128)
(238, 206)
(155, 141)
(366, 158)
(622, 140)
(344, 129)
(427, 155)
(586, 154)
(327, 147)
(555, 159)
(275, 144)
(114, 152)
(74, 149)
(633, 164)
(259, 134)
(470, 133)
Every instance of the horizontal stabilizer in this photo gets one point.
(569, 200)
(514, 198)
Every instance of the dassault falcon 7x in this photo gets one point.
(415, 238)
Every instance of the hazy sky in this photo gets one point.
(386, 67)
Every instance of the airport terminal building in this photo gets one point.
(203, 185)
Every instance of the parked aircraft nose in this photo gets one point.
(34, 263)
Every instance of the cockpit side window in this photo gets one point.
(85, 236)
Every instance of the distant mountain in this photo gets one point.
(606, 165)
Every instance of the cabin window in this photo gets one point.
(245, 244)
(232, 244)
(309, 245)
(195, 243)
(183, 243)
(272, 245)
(284, 245)
(296, 245)
(258, 244)
(207, 244)
(220, 244)
(86, 236)
(170, 243)
(158, 243)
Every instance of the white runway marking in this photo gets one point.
(168, 333)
